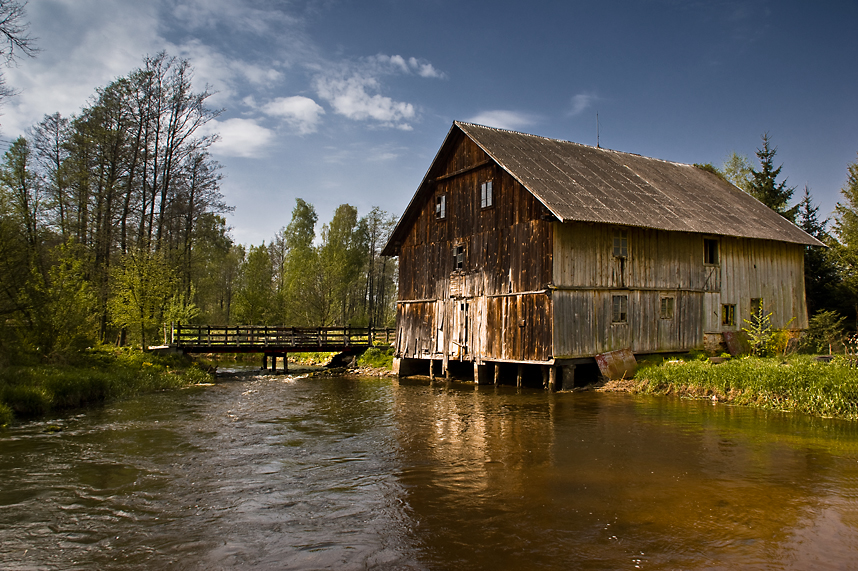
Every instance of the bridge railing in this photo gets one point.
(283, 338)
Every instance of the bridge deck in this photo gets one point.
(275, 340)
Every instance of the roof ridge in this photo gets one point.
(607, 150)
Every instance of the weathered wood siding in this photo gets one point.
(663, 264)
(507, 253)
(771, 271)
(583, 327)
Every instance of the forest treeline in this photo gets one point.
(111, 226)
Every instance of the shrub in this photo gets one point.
(379, 357)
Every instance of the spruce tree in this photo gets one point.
(764, 185)
(820, 273)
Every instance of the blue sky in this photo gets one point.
(341, 101)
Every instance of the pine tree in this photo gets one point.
(820, 273)
(764, 185)
(845, 248)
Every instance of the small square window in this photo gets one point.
(667, 308)
(710, 252)
(620, 308)
(459, 259)
(486, 194)
(441, 207)
(728, 314)
(621, 244)
(756, 306)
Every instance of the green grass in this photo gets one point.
(378, 357)
(97, 376)
(799, 384)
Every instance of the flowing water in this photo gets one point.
(277, 472)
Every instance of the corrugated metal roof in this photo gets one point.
(579, 183)
(586, 184)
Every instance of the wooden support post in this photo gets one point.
(285, 362)
(481, 374)
(552, 379)
(568, 378)
(545, 376)
(519, 376)
(265, 361)
(431, 369)
(497, 373)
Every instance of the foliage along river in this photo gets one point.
(281, 473)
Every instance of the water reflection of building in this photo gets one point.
(526, 480)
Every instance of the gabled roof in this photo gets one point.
(579, 183)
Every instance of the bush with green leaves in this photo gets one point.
(826, 332)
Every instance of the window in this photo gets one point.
(710, 252)
(757, 315)
(728, 314)
(441, 207)
(459, 258)
(756, 307)
(621, 244)
(486, 194)
(667, 308)
(620, 309)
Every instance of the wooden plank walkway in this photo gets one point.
(275, 340)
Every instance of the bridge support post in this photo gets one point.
(265, 361)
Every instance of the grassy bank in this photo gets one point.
(96, 377)
(799, 383)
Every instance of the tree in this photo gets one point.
(254, 296)
(301, 299)
(820, 273)
(142, 284)
(737, 170)
(15, 40)
(845, 248)
(764, 186)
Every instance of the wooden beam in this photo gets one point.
(462, 171)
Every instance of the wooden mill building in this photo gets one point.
(522, 250)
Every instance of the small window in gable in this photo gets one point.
(728, 314)
(621, 244)
(486, 199)
(441, 207)
(459, 257)
(710, 252)
(667, 308)
(620, 310)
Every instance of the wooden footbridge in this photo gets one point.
(276, 342)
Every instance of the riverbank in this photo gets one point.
(800, 383)
(98, 375)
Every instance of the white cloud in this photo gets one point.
(353, 97)
(425, 69)
(84, 44)
(240, 138)
(581, 102)
(397, 63)
(504, 119)
(300, 112)
(354, 89)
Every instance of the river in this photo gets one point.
(275, 472)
